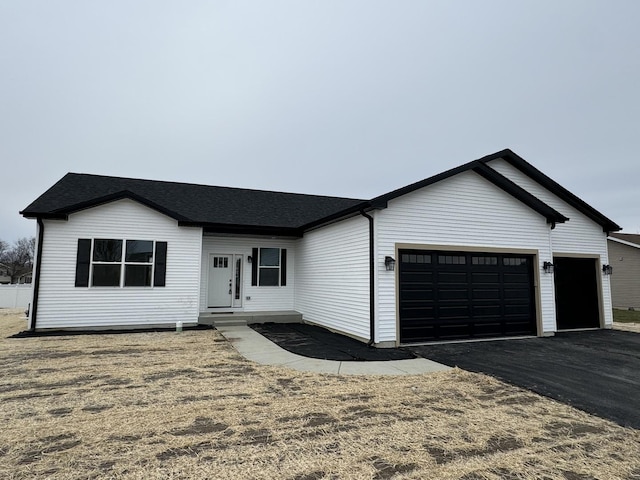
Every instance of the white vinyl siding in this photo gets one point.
(580, 235)
(62, 305)
(262, 299)
(332, 277)
(463, 211)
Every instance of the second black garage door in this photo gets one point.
(463, 295)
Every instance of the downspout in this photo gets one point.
(36, 279)
(372, 289)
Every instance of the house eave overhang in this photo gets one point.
(63, 213)
(346, 213)
(479, 167)
(529, 170)
(44, 216)
(230, 229)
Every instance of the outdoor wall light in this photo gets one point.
(389, 263)
(607, 269)
(249, 259)
(548, 267)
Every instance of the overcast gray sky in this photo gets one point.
(348, 98)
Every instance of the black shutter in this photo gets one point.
(83, 260)
(283, 267)
(160, 260)
(254, 267)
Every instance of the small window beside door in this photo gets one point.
(269, 267)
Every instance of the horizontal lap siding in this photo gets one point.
(61, 304)
(332, 277)
(463, 211)
(262, 298)
(580, 235)
(625, 281)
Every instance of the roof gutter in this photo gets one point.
(36, 279)
(372, 290)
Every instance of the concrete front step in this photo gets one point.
(245, 318)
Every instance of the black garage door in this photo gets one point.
(462, 295)
(576, 293)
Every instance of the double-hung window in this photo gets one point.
(269, 273)
(269, 267)
(138, 263)
(109, 262)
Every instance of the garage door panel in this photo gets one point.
(421, 314)
(485, 294)
(447, 294)
(418, 293)
(453, 331)
(452, 311)
(451, 278)
(517, 309)
(422, 334)
(463, 295)
(518, 328)
(488, 329)
(417, 276)
(479, 311)
(485, 278)
(512, 293)
(516, 277)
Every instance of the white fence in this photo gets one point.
(15, 296)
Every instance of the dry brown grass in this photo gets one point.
(168, 405)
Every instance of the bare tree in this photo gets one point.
(18, 259)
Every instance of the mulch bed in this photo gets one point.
(58, 333)
(317, 342)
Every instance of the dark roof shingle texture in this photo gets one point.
(199, 204)
(215, 207)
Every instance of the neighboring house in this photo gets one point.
(25, 278)
(4, 274)
(624, 252)
(472, 250)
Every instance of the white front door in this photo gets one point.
(220, 280)
(225, 281)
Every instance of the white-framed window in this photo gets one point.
(269, 267)
(114, 266)
(115, 262)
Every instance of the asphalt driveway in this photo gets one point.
(595, 371)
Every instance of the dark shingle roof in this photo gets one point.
(237, 210)
(189, 203)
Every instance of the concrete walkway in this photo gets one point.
(253, 346)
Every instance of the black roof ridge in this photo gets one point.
(526, 168)
(554, 187)
(551, 214)
(119, 195)
(321, 212)
(147, 180)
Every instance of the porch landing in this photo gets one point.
(245, 318)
